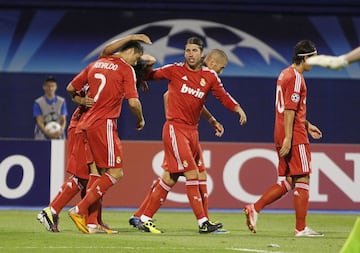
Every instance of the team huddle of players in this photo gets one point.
(94, 150)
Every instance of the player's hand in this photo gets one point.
(88, 101)
(148, 59)
(314, 131)
(243, 117)
(328, 61)
(142, 37)
(285, 148)
(140, 125)
(218, 127)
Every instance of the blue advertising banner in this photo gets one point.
(30, 171)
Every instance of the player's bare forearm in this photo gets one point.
(217, 126)
(353, 55)
(313, 130)
(136, 110)
(116, 44)
(207, 114)
(289, 116)
(242, 114)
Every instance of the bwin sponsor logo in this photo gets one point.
(196, 93)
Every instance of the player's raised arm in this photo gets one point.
(335, 62)
(116, 44)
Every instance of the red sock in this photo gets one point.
(145, 202)
(67, 191)
(92, 179)
(99, 215)
(157, 198)
(193, 194)
(94, 212)
(272, 194)
(301, 204)
(95, 192)
(204, 196)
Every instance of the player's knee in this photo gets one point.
(301, 179)
(191, 175)
(286, 185)
(170, 178)
(117, 174)
(202, 175)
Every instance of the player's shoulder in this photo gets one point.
(289, 70)
(287, 73)
(171, 66)
(179, 64)
(208, 71)
(112, 59)
(210, 74)
(175, 65)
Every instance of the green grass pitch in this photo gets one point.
(21, 232)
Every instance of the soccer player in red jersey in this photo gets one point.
(215, 60)
(111, 80)
(77, 166)
(189, 84)
(291, 142)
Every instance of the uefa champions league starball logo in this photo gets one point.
(169, 37)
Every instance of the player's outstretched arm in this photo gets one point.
(335, 62)
(353, 55)
(328, 61)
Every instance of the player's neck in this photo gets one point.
(299, 68)
(193, 68)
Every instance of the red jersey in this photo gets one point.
(291, 95)
(80, 109)
(110, 80)
(187, 91)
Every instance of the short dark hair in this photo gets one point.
(49, 79)
(138, 48)
(196, 41)
(303, 48)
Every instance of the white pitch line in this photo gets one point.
(253, 250)
(141, 248)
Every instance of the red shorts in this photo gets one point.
(69, 146)
(78, 159)
(105, 145)
(297, 162)
(181, 147)
(200, 162)
(77, 163)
